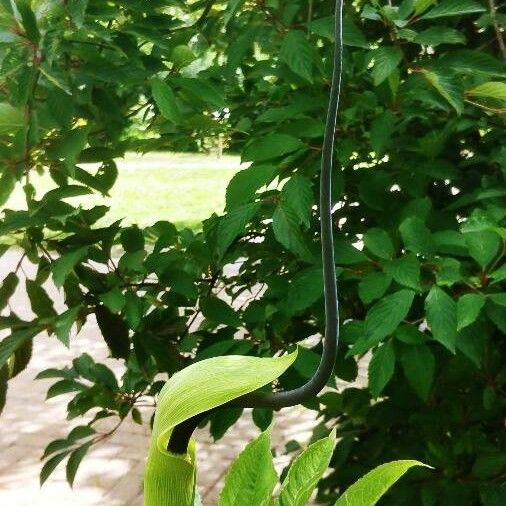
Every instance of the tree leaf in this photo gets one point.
(298, 195)
(492, 89)
(11, 119)
(419, 365)
(218, 311)
(242, 187)
(447, 87)
(63, 324)
(8, 288)
(166, 101)
(15, 341)
(251, 477)
(468, 309)
(381, 368)
(384, 317)
(74, 460)
(416, 236)
(378, 242)
(483, 246)
(441, 311)
(114, 331)
(436, 35)
(373, 286)
(270, 146)
(381, 131)
(386, 59)
(447, 8)
(369, 489)
(4, 380)
(41, 304)
(305, 289)
(306, 471)
(7, 185)
(64, 265)
(405, 270)
(297, 53)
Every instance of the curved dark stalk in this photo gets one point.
(277, 400)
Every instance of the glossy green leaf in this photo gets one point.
(251, 477)
(306, 471)
(368, 490)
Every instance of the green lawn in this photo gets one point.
(184, 189)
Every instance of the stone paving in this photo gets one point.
(111, 473)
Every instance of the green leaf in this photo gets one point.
(305, 289)
(218, 311)
(386, 59)
(77, 9)
(40, 302)
(20, 359)
(352, 35)
(7, 185)
(245, 183)
(381, 131)
(441, 312)
(378, 242)
(447, 87)
(74, 460)
(251, 477)
(15, 341)
(369, 489)
(416, 236)
(492, 89)
(233, 224)
(68, 147)
(468, 309)
(436, 35)
(410, 334)
(404, 270)
(306, 471)
(483, 246)
(11, 119)
(64, 265)
(384, 317)
(285, 226)
(4, 381)
(271, 146)
(419, 364)
(447, 8)
(132, 239)
(114, 331)
(373, 286)
(8, 288)
(62, 387)
(28, 20)
(166, 101)
(297, 53)
(298, 195)
(202, 90)
(51, 465)
(381, 368)
(114, 299)
(64, 323)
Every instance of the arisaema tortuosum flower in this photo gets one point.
(170, 479)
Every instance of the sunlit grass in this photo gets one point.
(183, 189)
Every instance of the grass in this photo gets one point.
(181, 188)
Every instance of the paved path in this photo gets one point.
(111, 474)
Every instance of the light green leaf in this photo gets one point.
(369, 489)
(245, 183)
(373, 286)
(271, 146)
(381, 368)
(483, 246)
(298, 195)
(218, 311)
(422, 5)
(64, 323)
(441, 312)
(492, 89)
(64, 265)
(11, 119)
(305, 472)
(204, 385)
(419, 365)
(405, 270)
(251, 477)
(386, 59)
(447, 87)
(468, 309)
(297, 53)
(378, 242)
(166, 101)
(447, 8)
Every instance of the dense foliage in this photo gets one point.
(420, 215)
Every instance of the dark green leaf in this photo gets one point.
(441, 312)
(419, 365)
(381, 368)
(297, 53)
(271, 146)
(114, 331)
(218, 311)
(378, 242)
